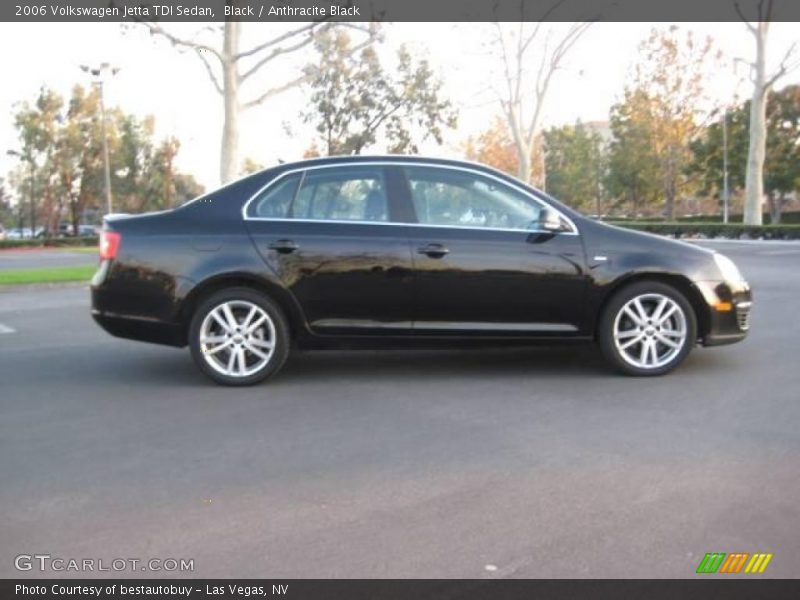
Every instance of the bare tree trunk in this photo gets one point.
(670, 189)
(524, 89)
(524, 158)
(229, 156)
(775, 207)
(754, 181)
(228, 60)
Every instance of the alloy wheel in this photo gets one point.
(650, 330)
(237, 338)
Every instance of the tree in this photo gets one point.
(229, 68)
(762, 82)
(520, 46)
(494, 147)
(672, 74)
(707, 165)
(575, 164)
(186, 188)
(781, 157)
(6, 210)
(79, 157)
(354, 99)
(61, 147)
(250, 166)
(37, 125)
(782, 168)
(633, 168)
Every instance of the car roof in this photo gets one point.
(394, 158)
(411, 159)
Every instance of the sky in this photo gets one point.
(156, 79)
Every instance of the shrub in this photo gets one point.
(715, 230)
(788, 217)
(51, 242)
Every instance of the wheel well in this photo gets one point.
(206, 289)
(682, 284)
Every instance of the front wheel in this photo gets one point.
(238, 337)
(648, 328)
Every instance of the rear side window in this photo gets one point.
(274, 202)
(342, 194)
(338, 194)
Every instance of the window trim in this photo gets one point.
(384, 163)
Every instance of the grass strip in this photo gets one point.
(47, 275)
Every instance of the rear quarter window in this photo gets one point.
(274, 202)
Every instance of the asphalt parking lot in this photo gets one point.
(37, 259)
(502, 463)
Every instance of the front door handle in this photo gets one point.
(284, 246)
(433, 250)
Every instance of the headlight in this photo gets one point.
(730, 272)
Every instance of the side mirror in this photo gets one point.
(550, 220)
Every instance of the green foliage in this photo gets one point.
(657, 120)
(782, 163)
(250, 166)
(575, 164)
(632, 166)
(354, 99)
(61, 152)
(787, 217)
(714, 230)
(6, 211)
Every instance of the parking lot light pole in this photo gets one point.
(98, 72)
(29, 159)
(726, 192)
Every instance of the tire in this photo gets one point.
(218, 345)
(638, 340)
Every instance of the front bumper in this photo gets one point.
(728, 312)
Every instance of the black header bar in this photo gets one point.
(393, 10)
(711, 588)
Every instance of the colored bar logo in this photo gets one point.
(714, 562)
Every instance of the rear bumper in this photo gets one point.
(143, 330)
(142, 312)
(728, 317)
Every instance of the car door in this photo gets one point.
(331, 237)
(483, 266)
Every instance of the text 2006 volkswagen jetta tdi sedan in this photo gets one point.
(403, 250)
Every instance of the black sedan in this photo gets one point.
(390, 251)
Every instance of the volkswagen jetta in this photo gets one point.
(384, 251)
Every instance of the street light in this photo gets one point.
(98, 73)
(30, 161)
(726, 192)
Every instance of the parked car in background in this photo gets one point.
(18, 234)
(87, 231)
(388, 251)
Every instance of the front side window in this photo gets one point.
(464, 199)
(342, 194)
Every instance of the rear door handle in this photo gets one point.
(284, 246)
(433, 250)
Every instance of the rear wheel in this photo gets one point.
(648, 328)
(239, 336)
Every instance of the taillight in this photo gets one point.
(109, 244)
